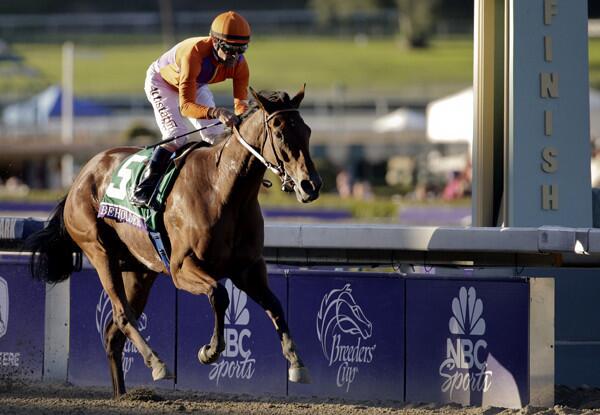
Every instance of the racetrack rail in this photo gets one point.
(346, 244)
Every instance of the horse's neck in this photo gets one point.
(236, 165)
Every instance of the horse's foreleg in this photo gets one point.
(254, 282)
(219, 302)
(191, 277)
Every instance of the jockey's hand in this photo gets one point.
(227, 117)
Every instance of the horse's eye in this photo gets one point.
(276, 123)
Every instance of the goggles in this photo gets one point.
(231, 48)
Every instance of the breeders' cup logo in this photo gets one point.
(104, 317)
(342, 328)
(464, 368)
(237, 363)
(3, 306)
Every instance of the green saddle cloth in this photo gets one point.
(116, 205)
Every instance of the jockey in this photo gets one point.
(177, 87)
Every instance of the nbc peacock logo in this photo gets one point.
(104, 317)
(465, 365)
(236, 314)
(237, 362)
(344, 331)
(467, 312)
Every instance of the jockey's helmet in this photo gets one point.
(231, 28)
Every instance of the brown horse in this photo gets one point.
(212, 219)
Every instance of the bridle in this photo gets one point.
(287, 182)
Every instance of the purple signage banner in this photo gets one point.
(467, 341)
(252, 361)
(22, 311)
(91, 311)
(349, 329)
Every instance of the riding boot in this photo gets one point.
(151, 177)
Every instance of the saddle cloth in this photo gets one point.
(116, 205)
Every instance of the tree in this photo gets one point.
(416, 18)
(330, 11)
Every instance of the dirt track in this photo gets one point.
(39, 399)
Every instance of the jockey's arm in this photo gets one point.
(190, 69)
(188, 72)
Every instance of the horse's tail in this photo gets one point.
(52, 249)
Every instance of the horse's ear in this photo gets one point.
(258, 98)
(298, 97)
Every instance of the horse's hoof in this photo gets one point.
(203, 356)
(161, 372)
(298, 375)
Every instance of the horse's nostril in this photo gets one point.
(308, 187)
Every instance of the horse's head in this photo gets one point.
(287, 141)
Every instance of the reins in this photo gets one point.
(168, 140)
(287, 183)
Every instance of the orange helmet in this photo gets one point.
(231, 28)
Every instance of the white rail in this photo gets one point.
(379, 244)
(343, 244)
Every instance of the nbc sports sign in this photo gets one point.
(252, 361)
(237, 359)
(467, 341)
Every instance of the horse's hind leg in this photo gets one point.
(137, 289)
(254, 282)
(123, 315)
(114, 342)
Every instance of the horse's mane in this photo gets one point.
(276, 97)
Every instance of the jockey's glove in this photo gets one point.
(227, 117)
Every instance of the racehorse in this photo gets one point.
(212, 219)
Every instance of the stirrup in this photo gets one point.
(143, 192)
(141, 200)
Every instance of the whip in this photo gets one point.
(168, 140)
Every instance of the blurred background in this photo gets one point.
(389, 96)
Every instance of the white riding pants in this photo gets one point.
(165, 102)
